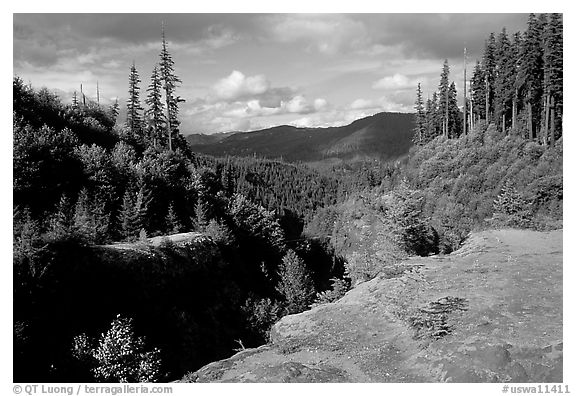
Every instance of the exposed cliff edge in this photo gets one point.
(489, 312)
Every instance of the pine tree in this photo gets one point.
(132, 217)
(489, 67)
(170, 82)
(504, 81)
(516, 51)
(531, 74)
(155, 112)
(478, 92)
(430, 132)
(75, 104)
(454, 115)
(83, 221)
(172, 222)
(295, 284)
(126, 216)
(553, 75)
(202, 215)
(444, 98)
(420, 128)
(134, 108)
(115, 110)
(62, 220)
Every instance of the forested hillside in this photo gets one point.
(383, 136)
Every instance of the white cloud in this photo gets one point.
(237, 85)
(298, 104)
(362, 104)
(325, 33)
(320, 104)
(397, 81)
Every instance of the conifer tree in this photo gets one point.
(115, 110)
(155, 112)
(489, 67)
(75, 104)
(170, 81)
(420, 128)
(553, 75)
(172, 222)
(504, 80)
(126, 216)
(478, 91)
(443, 98)
(454, 115)
(134, 108)
(516, 48)
(531, 74)
(62, 220)
(295, 284)
(83, 222)
(202, 215)
(430, 119)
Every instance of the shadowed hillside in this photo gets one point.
(383, 136)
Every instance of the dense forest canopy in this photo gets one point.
(517, 86)
(272, 238)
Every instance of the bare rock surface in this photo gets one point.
(489, 312)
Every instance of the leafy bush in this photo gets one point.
(120, 355)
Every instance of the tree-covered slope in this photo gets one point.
(383, 136)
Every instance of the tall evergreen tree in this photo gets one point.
(531, 74)
(134, 108)
(454, 115)
(478, 92)
(489, 67)
(504, 81)
(170, 81)
(75, 104)
(516, 51)
(295, 284)
(155, 112)
(420, 128)
(115, 110)
(553, 74)
(444, 98)
(430, 119)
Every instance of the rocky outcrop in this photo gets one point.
(490, 312)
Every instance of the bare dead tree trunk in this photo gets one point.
(514, 110)
(530, 132)
(504, 123)
(465, 119)
(546, 119)
(552, 128)
(487, 103)
(446, 115)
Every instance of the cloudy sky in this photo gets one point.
(251, 71)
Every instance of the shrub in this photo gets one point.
(261, 314)
(511, 209)
(119, 355)
(339, 288)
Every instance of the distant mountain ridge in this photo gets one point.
(383, 136)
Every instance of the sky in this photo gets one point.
(244, 72)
